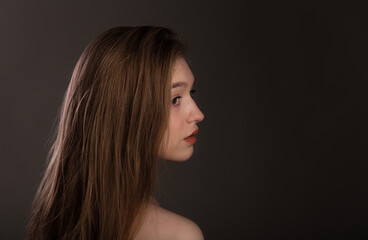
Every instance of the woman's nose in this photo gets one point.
(195, 115)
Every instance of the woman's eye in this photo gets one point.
(175, 100)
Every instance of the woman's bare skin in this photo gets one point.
(161, 224)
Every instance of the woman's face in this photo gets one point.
(184, 114)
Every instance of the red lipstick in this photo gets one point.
(191, 139)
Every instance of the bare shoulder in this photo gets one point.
(179, 227)
(161, 224)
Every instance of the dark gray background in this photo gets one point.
(282, 152)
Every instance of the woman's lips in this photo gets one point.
(191, 139)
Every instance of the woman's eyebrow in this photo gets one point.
(179, 84)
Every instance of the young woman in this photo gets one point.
(128, 106)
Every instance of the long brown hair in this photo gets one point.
(102, 166)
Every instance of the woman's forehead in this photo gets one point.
(182, 75)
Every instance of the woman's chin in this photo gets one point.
(180, 157)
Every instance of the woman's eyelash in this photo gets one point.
(173, 100)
